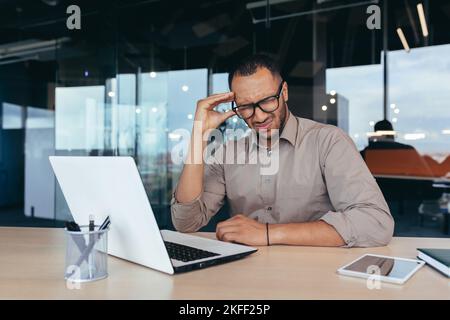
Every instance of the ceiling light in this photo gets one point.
(402, 37)
(423, 21)
(380, 133)
(414, 136)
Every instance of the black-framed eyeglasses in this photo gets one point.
(268, 105)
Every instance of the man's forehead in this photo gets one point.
(261, 75)
(250, 89)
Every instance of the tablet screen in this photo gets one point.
(383, 266)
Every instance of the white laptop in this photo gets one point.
(103, 186)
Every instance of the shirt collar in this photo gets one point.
(289, 132)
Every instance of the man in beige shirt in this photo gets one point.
(320, 193)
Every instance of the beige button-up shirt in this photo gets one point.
(320, 176)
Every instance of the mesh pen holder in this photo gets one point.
(86, 255)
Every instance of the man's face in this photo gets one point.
(254, 88)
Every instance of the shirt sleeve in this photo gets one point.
(361, 215)
(191, 216)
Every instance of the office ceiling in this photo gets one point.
(166, 34)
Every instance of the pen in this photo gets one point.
(105, 223)
(91, 244)
(72, 226)
(91, 223)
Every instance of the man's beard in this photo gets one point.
(283, 120)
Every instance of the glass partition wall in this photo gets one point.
(126, 84)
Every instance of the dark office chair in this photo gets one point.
(395, 166)
(430, 209)
(397, 162)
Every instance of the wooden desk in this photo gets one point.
(32, 265)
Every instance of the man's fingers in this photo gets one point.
(212, 101)
(227, 114)
(230, 237)
(221, 231)
(220, 94)
(226, 224)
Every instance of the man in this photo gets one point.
(385, 139)
(321, 195)
(386, 156)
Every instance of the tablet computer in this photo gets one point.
(383, 268)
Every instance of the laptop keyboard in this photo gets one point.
(184, 253)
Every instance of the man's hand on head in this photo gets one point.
(210, 118)
(242, 229)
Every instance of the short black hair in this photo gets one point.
(251, 64)
(383, 125)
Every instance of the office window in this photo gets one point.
(79, 114)
(151, 114)
(122, 105)
(362, 86)
(152, 137)
(185, 88)
(420, 98)
(12, 116)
